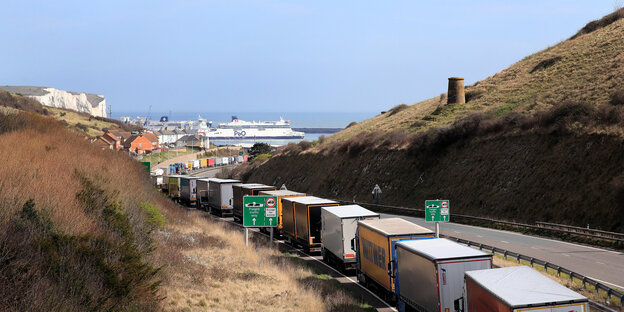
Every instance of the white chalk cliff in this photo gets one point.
(93, 104)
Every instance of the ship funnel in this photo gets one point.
(456, 93)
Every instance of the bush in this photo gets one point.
(154, 217)
(617, 98)
(397, 109)
(603, 22)
(305, 145)
(259, 148)
(351, 124)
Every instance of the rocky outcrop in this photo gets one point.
(93, 104)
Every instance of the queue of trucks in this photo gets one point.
(404, 263)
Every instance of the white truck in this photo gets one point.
(517, 289)
(429, 273)
(338, 227)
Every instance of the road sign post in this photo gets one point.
(259, 211)
(437, 211)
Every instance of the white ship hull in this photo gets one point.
(254, 134)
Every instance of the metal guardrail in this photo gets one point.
(546, 265)
(580, 230)
(540, 226)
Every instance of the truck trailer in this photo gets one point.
(174, 187)
(374, 242)
(302, 220)
(241, 190)
(202, 193)
(517, 289)
(280, 194)
(188, 190)
(429, 274)
(219, 195)
(338, 227)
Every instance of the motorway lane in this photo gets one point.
(600, 264)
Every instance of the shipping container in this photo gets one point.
(204, 163)
(338, 227)
(188, 190)
(211, 162)
(516, 289)
(302, 220)
(280, 194)
(243, 189)
(196, 164)
(374, 242)
(220, 195)
(218, 161)
(429, 273)
(225, 161)
(174, 187)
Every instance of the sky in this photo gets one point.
(272, 55)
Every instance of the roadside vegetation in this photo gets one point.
(82, 229)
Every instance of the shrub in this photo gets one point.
(617, 98)
(154, 216)
(351, 124)
(603, 22)
(397, 109)
(474, 95)
(305, 145)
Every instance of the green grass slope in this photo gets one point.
(586, 68)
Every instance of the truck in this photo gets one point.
(188, 190)
(338, 226)
(517, 289)
(216, 195)
(302, 220)
(374, 245)
(202, 194)
(241, 190)
(174, 187)
(280, 194)
(429, 274)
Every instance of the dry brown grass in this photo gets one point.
(73, 234)
(209, 269)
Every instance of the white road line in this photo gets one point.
(506, 242)
(599, 262)
(458, 232)
(479, 236)
(565, 255)
(607, 283)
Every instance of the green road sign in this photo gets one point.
(437, 210)
(259, 211)
(148, 166)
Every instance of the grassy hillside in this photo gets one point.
(586, 68)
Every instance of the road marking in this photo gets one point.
(479, 236)
(599, 262)
(533, 247)
(506, 242)
(457, 232)
(566, 255)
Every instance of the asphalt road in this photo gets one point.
(603, 265)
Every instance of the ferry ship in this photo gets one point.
(253, 130)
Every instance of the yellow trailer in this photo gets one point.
(204, 163)
(375, 240)
(280, 194)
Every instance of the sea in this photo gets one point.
(297, 120)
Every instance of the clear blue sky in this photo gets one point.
(277, 56)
